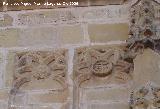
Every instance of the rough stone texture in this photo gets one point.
(90, 72)
(37, 18)
(46, 17)
(5, 20)
(9, 69)
(102, 2)
(109, 106)
(106, 14)
(50, 97)
(105, 94)
(105, 62)
(38, 70)
(9, 37)
(45, 36)
(146, 96)
(96, 68)
(40, 107)
(150, 71)
(17, 5)
(4, 95)
(1, 71)
(108, 32)
(71, 34)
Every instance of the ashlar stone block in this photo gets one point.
(71, 34)
(48, 97)
(9, 37)
(150, 72)
(108, 32)
(5, 20)
(47, 17)
(41, 36)
(109, 106)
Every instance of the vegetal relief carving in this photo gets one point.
(37, 66)
(146, 97)
(109, 64)
(142, 27)
(40, 65)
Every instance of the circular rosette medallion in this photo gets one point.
(101, 68)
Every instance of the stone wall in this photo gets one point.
(81, 58)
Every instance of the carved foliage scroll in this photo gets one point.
(102, 62)
(146, 97)
(40, 67)
(142, 25)
(112, 65)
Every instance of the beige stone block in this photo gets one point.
(108, 32)
(103, 2)
(109, 106)
(146, 68)
(47, 17)
(9, 69)
(12, 5)
(19, 99)
(4, 95)
(51, 97)
(3, 105)
(106, 94)
(38, 18)
(71, 34)
(6, 20)
(40, 107)
(9, 37)
(1, 71)
(44, 36)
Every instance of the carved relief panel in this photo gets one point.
(143, 27)
(40, 71)
(99, 66)
(146, 97)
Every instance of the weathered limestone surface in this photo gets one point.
(105, 94)
(109, 13)
(76, 58)
(9, 37)
(95, 69)
(6, 20)
(50, 97)
(146, 96)
(146, 68)
(38, 70)
(71, 34)
(44, 36)
(47, 17)
(109, 106)
(108, 32)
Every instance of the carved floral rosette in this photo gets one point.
(111, 64)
